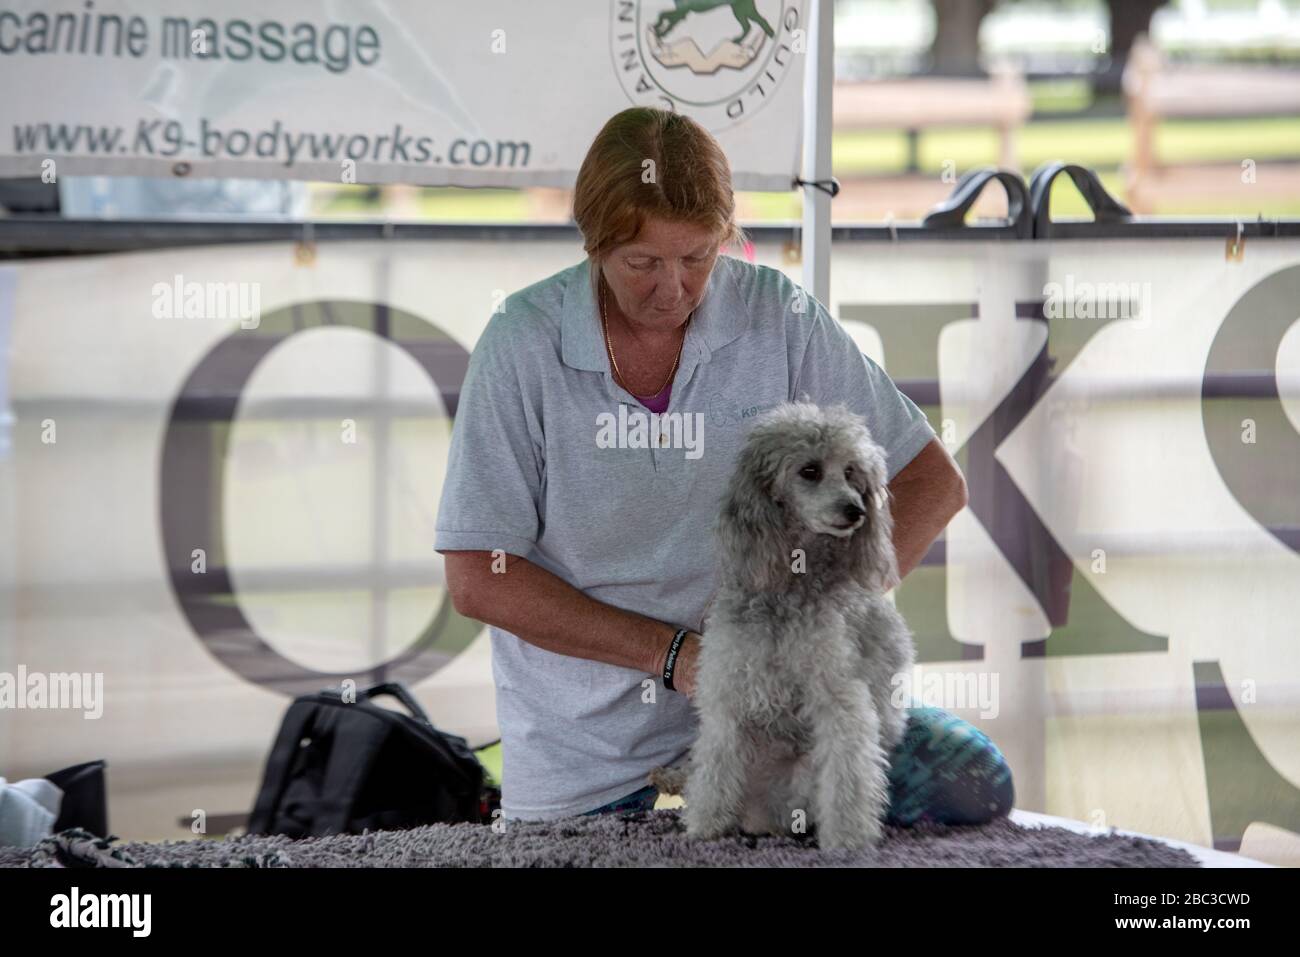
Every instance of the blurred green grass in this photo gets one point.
(1099, 143)
(490, 758)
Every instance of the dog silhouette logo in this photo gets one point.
(736, 53)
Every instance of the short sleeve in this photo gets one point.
(494, 473)
(834, 370)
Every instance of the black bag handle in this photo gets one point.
(951, 213)
(398, 690)
(1105, 207)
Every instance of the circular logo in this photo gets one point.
(719, 60)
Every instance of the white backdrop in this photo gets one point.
(1108, 722)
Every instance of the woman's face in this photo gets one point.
(658, 279)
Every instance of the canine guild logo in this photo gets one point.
(722, 59)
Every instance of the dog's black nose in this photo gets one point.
(852, 512)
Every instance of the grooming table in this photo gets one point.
(639, 839)
(1206, 856)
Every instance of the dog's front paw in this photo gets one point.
(704, 824)
(849, 838)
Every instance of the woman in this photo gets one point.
(575, 519)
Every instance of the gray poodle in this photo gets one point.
(800, 646)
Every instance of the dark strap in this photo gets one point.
(398, 690)
(670, 663)
(276, 776)
(353, 749)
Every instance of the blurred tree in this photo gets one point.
(956, 47)
(1128, 18)
(955, 50)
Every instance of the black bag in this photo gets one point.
(340, 768)
(85, 798)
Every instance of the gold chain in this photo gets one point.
(609, 343)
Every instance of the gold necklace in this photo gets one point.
(609, 344)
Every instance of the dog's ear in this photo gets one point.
(751, 528)
(873, 562)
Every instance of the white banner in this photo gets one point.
(488, 93)
(192, 517)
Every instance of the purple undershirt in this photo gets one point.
(657, 403)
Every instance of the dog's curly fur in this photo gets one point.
(793, 683)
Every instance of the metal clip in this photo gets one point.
(304, 251)
(1236, 248)
(893, 230)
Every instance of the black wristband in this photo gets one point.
(671, 660)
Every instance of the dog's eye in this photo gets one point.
(812, 472)
(848, 473)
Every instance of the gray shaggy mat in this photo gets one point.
(635, 839)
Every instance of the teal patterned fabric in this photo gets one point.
(642, 800)
(945, 770)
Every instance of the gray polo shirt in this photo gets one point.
(552, 461)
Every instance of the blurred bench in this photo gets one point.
(1001, 101)
(1157, 90)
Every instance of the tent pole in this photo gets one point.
(819, 77)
